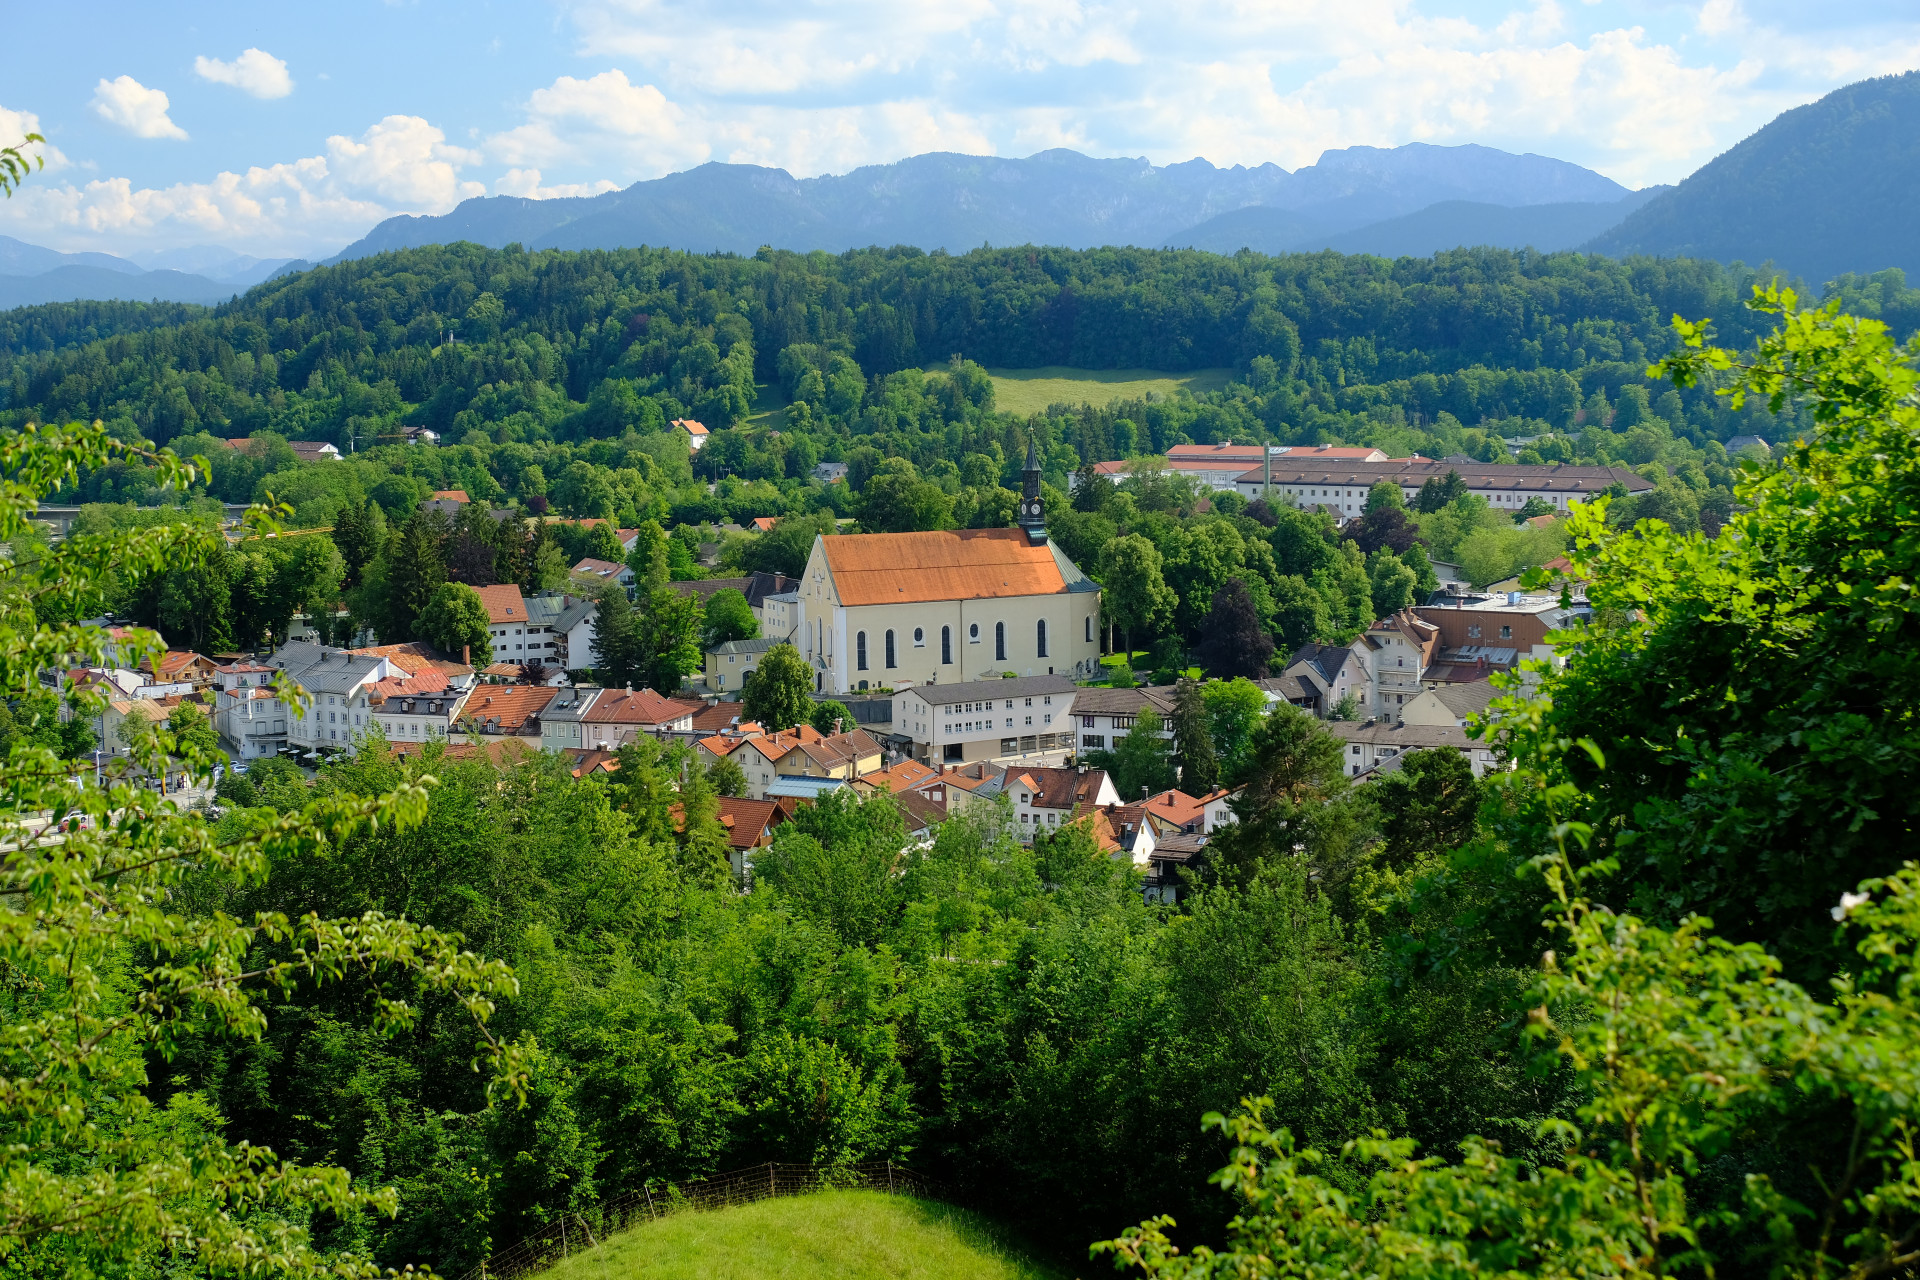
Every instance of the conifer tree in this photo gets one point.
(1193, 739)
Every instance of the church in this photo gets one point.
(887, 610)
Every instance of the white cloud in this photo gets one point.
(403, 164)
(16, 125)
(139, 110)
(526, 182)
(408, 161)
(812, 86)
(255, 71)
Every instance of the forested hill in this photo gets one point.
(538, 334)
(1823, 189)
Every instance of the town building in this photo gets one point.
(181, 666)
(1221, 466)
(589, 575)
(695, 432)
(1341, 487)
(248, 715)
(1483, 633)
(615, 717)
(729, 664)
(1103, 716)
(1028, 719)
(561, 720)
(416, 708)
(885, 610)
(1372, 745)
(338, 685)
(515, 638)
(756, 587)
(506, 710)
(1450, 704)
(1319, 677)
(1047, 799)
(1397, 650)
(416, 656)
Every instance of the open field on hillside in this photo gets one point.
(835, 1235)
(1032, 390)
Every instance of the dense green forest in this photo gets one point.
(1509, 977)
(552, 378)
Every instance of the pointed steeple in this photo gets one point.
(1032, 518)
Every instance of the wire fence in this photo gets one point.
(574, 1232)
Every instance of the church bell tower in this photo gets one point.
(1032, 518)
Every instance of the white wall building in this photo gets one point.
(1027, 720)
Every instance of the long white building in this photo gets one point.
(1341, 487)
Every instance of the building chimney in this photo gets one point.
(466, 655)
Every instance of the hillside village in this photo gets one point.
(524, 746)
(965, 667)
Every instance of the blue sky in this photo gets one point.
(282, 130)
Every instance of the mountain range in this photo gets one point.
(30, 274)
(955, 202)
(1822, 189)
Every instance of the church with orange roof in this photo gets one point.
(887, 610)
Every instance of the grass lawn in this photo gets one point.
(769, 402)
(1027, 391)
(835, 1235)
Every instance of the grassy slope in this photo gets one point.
(837, 1235)
(1028, 391)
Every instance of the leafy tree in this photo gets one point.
(33, 719)
(727, 777)
(1441, 492)
(1297, 801)
(1143, 759)
(1745, 687)
(827, 713)
(1393, 583)
(618, 659)
(1425, 580)
(603, 543)
(779, 693)
(728, 617)
(668, 639)
(192, 732)
(648, 559)
(898, 501)
(705, 852)
(1193, 739)
(1680, 1042)
(1234, 709)
(455, 621)
(786, 547)
(837, 862)
(1430, 804)
(1134, 593)
(359, 531)
(1300, 613)
(1384, 495)
(1383, 527)
(1233, 644)
(104, 1180)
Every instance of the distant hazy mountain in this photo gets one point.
(25, 281)
(215, 263)
(956, 202)
(1827, 188)
(18, 258)
(1454, 224)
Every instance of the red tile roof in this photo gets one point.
(449, 495)
(504, 603)
(507, 708)
(636, 706)
(957, 564)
